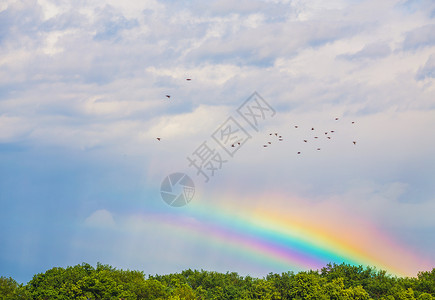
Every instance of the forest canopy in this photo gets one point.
(335, 281)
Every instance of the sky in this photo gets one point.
(83, 88)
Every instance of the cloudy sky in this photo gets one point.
(82, 102)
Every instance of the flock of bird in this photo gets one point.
(327, 134)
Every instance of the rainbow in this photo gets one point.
(290, 241)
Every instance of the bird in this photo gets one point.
(299, 152)
(318, 148)
(336, 119)
(354, 142)
(276, 134)
(305, 141)
(332, 131)
(280, 139)
(264, 145)
(270, 133)
(168, 96)
(315, 137)
(326, 133)
(353, 122)
(158, 139)
(328, 137)
(312, 128)
(188, 79)
(296, 126)
(269, 143)
(232, 145)
(238, 143)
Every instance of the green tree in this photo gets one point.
(184, 292)
(8, 288)
(425, 296)
(151, 289)
(307, 285)
(264, 289)
(282, 283)
(426, 282)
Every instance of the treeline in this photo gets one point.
(334, 281)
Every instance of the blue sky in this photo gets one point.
(82, 100)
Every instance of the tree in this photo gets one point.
(334, 282)
(264, 289)
(426, 282)
(307, 285)
(8, 288)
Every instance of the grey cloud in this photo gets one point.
(272, 10)
(111, 22)
(420, 6)
(66, 20)
(370, 51)
(420, 37)
(261, 46)
(18, 20)
(428, 70)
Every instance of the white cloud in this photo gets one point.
(371, 51)
(421, 37)
(14, 128)
(428, 70)
(101, 218)
(49, 9)
(93, 76)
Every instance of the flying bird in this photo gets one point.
(336, 119)
(328, 137)
(299, 152)
(315, 137)
(264, 145)
(353, 122)
(296, 126)
(332, 131)
(188, 79)
(354, 142)
(326, 133)
(305, 141)
(168, 96)
(158, 139)
(312, 128)
(318, 148)
(269, 143)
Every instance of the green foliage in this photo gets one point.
(9, 288)
(307, 285)
(426, 282)
(333, 282)
(425, 296)
(261, 289)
